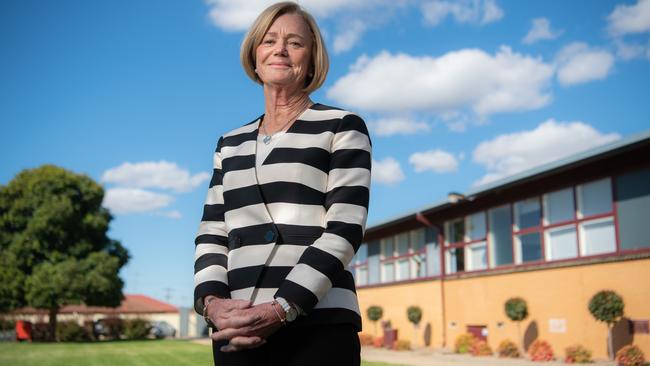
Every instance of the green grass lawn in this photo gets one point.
(123, 353)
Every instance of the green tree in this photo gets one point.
(374, 314)
(517, 310)
(54, 249)
(607, 306)
(414, 314)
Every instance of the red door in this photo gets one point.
(478, 331)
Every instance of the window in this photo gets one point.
(500, 236)
(561, 242)
(527, 213)
(598, 236)
(558, 206)
(633, 209)
(455, 231)
(529, 248)
(455, 260)
(359, 265)
(477, 256)
(387, 259)
(476, 226)
(403, 256)
(595, 198)
(388, 272)
(419, 258)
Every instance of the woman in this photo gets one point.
(285, 212)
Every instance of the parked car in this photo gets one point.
(162, 329)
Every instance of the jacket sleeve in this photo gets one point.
(346, 204)
(211, 243)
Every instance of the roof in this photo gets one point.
(553, 167)
(132, 304)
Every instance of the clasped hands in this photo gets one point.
(243, 325)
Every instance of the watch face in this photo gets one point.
(291, 315)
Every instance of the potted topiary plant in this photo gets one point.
(414, 314)
(607, 306)
(517, 310)
(374, 314)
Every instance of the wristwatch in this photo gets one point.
(290, 312)
(205, 314)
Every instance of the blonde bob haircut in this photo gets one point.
(319, 59)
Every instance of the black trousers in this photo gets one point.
(327, 345)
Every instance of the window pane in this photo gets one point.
(362, 254)
(501, 235)
(559, 206)
(387, 249)
(455, 231)
(530, 247)
(430, 235)
(402, 244)
(456, 260)
(633, 209)
(403, 269)
(561, 243)
(476, 226)
(362, 276)
(528, 213)
(417, 239)
(598, 237)
(595, 197)
(418, 266)
(478, 256)
(388, 272)
(374, 268)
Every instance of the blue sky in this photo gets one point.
(455, 93)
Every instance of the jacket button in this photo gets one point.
(269, 236)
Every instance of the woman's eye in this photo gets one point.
(295, 44)
(268, 41)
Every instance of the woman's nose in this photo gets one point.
(280, 48)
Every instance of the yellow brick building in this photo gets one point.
(554, 236)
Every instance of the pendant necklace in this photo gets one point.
(267, 136)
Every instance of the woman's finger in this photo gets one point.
(236, 321)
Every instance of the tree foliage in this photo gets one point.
(606, 306)
(375, 313)
(53, 244)
(414, 314)
(516, 309)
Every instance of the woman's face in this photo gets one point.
(284, 56)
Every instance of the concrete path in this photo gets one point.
(429, 357)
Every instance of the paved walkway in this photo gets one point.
(429, 357)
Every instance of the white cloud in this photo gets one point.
(540, 30)
(512, 153)
(398, 126)
(578, 63)
(436, 160)
(464, 79)
(387, 171)
(476, 12)
(627, 19)
(348, 38)
(173, 214)
(239, 15)
(134, 200)
(149, 174)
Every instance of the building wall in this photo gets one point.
(561, 294)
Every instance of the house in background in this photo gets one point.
(183, 320)
(554, 235)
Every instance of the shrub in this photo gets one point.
(40, 332)
(630, 355)
(365, 339)
(70, 331)
(463, 343)
(375, 313)
(540, 351)
(136, 328)
(508, 348)
(577, 354)
(111, 328)
(402, 345)
(378, 342)
(7, 324)
(480, 348)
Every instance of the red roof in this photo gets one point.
(132, 304)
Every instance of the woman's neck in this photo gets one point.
(282, 106)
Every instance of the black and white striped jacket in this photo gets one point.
(316, 187)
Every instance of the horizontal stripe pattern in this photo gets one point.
(293, 232)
